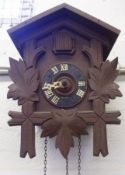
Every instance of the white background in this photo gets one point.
(112, 12)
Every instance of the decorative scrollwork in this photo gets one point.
(103, 88)
(64, 124)
(102, 81)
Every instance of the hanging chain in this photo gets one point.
(79, 156)
(45, 156)
(67, 167)
(67, 162)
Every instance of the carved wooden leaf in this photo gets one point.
(64, 124)
(77, 127)
(109, 68)
(102, 81)
(50, 128)
(64, 140)
(17, 69)
(25, 82)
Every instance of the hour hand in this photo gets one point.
(54, 85)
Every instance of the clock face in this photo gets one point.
(64, 85)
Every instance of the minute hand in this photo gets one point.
(54, 85)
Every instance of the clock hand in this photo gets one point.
(55, 85)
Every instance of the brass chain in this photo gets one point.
(67, 167)
(67, 162)
(45, 156)
(79, 156)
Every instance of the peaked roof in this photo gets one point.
(64, 10)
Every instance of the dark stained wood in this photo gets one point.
(63, 44)
(31, 54)
(28, 119)
(94, 52)
(70, 25)
(99, 127)
(103, 87)
(26, 82)
(63, 35)
(68, 12)
(64, 125)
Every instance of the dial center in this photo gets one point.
(64, 83)
(67, 85)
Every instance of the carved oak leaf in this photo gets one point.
(102, 81)
(64, 124)
(25, 82)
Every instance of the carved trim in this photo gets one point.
(64, 124)
(28, 119)
(103, 88)
(102, 81)
(31, 54)
(99, 127)
(26, 82)
(94, 53)
(71, 25)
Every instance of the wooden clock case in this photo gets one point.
(63, 35)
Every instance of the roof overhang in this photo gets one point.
(64, 11)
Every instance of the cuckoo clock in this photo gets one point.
(63, 80)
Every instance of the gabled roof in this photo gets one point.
(65, 11)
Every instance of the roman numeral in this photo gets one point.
(80, 93)
(55, 70)
(55, 99)
(64, 67)
(81, 83)
(48, 93)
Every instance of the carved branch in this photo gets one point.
(111, 117)
(27, 139)
(100, 138)
(99, 118)
(28, 119)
